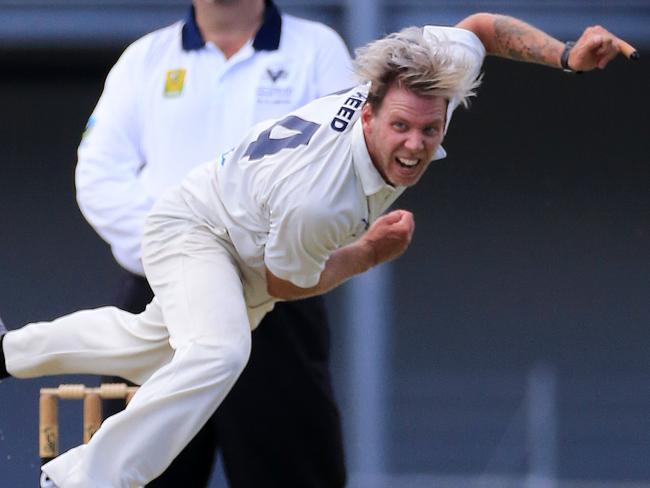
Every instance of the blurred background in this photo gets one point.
(507, 348)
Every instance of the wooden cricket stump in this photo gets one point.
(48, 438)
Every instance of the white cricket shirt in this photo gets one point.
(297, 189)
(172, 102)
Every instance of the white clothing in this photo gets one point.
(296, 190)
(186, 349)
(292, 193)
(170, 103)
(304, 190)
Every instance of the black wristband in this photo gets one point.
(564, 57)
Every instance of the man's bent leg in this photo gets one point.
(296, 437)
(193, 466)
(198, 282)
(134, 446)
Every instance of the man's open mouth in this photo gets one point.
(407, 163)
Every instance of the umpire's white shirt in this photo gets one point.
(297, 189)
(172, 102)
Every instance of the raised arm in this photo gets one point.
(512, 38)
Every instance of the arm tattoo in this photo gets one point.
(517, 40)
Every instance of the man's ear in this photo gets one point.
(367, 115)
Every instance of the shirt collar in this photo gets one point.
(267, 37)
(371, 179)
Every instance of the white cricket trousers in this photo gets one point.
(186, 350)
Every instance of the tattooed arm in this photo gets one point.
(511, 38)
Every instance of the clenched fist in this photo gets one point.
(595, 48)
(389, 236)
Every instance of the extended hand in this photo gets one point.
(595, 48)
(390, 235)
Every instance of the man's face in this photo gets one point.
(403, 134)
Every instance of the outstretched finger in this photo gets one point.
(628, 50)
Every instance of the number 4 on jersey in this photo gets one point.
(265, 146)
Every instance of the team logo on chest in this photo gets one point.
(174, 80)
(275, 75)
(274, 87)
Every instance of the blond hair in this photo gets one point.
(426, 67)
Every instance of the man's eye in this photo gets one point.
(430, 131)
(399, 125)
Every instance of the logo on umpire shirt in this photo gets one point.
(274, 86)
(174, 82)
(276, 75)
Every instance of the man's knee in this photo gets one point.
(235, 355)
(225, 359)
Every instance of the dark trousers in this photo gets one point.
(279, 426)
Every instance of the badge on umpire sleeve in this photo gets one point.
(174, 82)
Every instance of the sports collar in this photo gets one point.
(267, 37)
